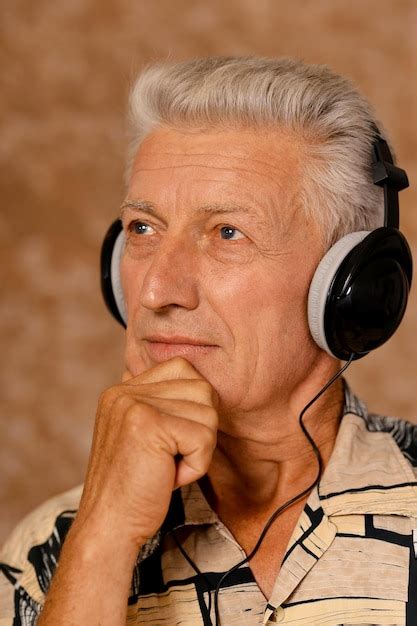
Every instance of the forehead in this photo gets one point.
(256, 168)
(258, 152)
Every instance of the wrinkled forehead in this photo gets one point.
(259, 150)
(258, 169)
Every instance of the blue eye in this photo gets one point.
(138, 228)
(228, 231)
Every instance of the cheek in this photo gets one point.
(131, 276)
(254, 284)
(252, 304)
(270, 305)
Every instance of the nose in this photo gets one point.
(171, 279)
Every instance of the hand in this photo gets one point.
(153, 433)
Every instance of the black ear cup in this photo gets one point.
(111, 287)
(359, 291)
(368, 294)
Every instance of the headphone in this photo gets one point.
(359, 292)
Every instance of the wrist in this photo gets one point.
(93, 580)
(98, 542)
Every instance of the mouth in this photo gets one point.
(161, 350)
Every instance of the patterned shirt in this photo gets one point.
(352, 558)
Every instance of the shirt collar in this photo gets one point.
(367, 472)
(188, 506)
(365, 464)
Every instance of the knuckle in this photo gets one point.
(131, 419)
(122, 403)
(212, 414)
(109, 395)
(106, 396)
(202, 385)
(214, 399)
(140, 416)
(208, 438)
(206, 390)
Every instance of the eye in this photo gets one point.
(138, 228)
(227, 232)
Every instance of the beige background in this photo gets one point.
(65, 71)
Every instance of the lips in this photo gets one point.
(178, 339)
(172, 346)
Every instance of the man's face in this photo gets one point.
(219, 251)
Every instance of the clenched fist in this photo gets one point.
(153, 433)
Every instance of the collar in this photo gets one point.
(367, 471)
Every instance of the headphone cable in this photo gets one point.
(277, 512)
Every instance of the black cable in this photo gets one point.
(277, 511)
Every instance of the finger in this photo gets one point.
(173, 369)
(194, 411)
(179, 436)
(195, 390)
(196, 458)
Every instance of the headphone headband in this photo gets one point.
(387, 175)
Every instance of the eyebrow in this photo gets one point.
(138, 205)
(214, 208)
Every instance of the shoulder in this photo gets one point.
(29, 557)
(37, 527)
(403, 432)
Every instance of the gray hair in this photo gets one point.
(334, 119)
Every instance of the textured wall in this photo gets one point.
(66, 67)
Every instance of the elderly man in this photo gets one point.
(208, 499)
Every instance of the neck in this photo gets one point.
(264, 459)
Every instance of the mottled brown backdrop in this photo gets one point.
(65, 70)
